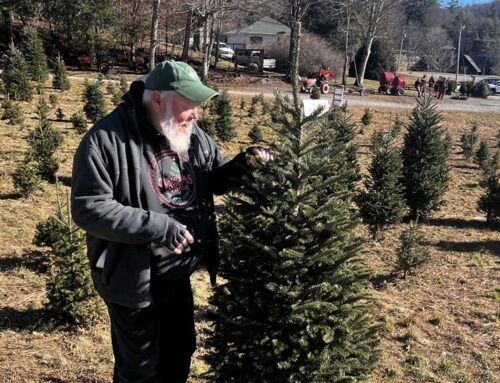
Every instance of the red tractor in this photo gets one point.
(391, 83)
(100, 63)
(319, 79)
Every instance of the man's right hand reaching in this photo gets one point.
(177, 238)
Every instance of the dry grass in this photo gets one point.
(441, 324)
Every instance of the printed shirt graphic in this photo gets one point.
(173, 184)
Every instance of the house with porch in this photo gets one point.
(261, 34)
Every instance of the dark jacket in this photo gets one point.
(106, 201)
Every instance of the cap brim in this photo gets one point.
(197, 92)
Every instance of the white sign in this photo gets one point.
(338, 94)
(310, 106)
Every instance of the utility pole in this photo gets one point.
(400, 49)
(458, 51)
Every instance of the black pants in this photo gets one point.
(155, 344)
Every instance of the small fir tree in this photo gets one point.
(12, 112)
(397, 127)
(294, 305)
(26, 179)
(489, 202)
(468, 142)
(425, 159)
(252, 110)
(255, 134)
(44, 140)
(382, 202)
(411, 253)
(224, 123)
(60, 79)
(315, 94)
(366, 119)
(59, 114)
(79, 122)
(482, 155)
(34, 53)
(94, 105)
(16, 76)
(242, 103)
(53, 100)
(69, 287)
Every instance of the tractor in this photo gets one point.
(319, 79)
(391, 83)
(100, 63)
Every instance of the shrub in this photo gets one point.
(79, 122)
(468, 142)
(60, 80)
(489, 202)
(367, 117)
(482, 154)
(450, 88)
(255, 134)
(59, 114)
(12, 112)
(315, 93)
(410, 252)
(242, 103)
(53, 101)
(481, 90)
(94, 106)
(26, 179)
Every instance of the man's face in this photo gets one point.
(176, 124)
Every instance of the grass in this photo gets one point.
(437, 322)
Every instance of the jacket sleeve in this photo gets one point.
(95, 209)
(226, 173)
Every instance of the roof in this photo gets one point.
(473, 63)
(265, 26)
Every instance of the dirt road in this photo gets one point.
(377, 101)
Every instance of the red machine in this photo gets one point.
(100, 63)
(319, 79)
(391, 83)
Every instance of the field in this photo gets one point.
(440, 324)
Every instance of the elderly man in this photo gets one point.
(142, 188)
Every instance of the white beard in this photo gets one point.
(178, 136)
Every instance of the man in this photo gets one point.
(142, 188)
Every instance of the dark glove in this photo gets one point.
(174, 234)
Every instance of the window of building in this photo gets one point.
(255, 39)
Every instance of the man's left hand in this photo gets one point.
(261, 154)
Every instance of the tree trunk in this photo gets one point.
(187, 36)
(366, 55)
(294, 61)
(154, 35)
(346, 52)
(208, 32)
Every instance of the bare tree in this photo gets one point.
(154, 34)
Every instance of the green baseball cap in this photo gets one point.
(179, 76)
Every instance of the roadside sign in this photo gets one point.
(338, 94)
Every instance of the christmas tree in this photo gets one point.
(489, 202)
(94, 106)
(69, 287)
(255, 134)
(60, 80)
(382, 202)
(16, 76)
(411, 254)
(294, 307)
(425, 159)
(224, 126)
(34, 53)
(468, 142)
(482, 155)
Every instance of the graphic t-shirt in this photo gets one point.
(172, 184)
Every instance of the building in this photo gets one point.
(261, 34)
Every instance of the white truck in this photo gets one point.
(255, 57)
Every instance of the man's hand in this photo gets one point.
(261, 154)
(184, 244)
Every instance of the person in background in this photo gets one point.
(142, 188)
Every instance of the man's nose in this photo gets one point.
(194, 114)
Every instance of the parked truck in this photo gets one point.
(254, 58)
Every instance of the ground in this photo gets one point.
(440, 324)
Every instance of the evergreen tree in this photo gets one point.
(294, 307)
(410, 252)
(224, 123)
(382, 202)
(34, 53)
(79, 123)
(315, 94)
(94, 106)
(482, 155)
(255, 134)
(489, 202)
(16, 77)
(60, 80)
(425, 159)
(69, 287)
(44, 140)
(12, 112)
(26, 179)
(366, 119)
(468, 142)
